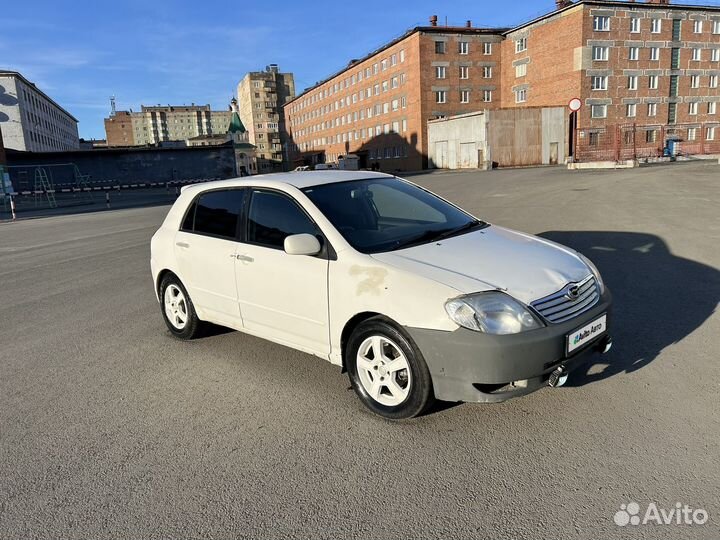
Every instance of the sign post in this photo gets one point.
(575, 105)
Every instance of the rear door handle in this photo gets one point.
(182, 244)
(244, 258)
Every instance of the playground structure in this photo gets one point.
(44, 181)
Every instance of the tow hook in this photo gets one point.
(605, 345)
(558, 377)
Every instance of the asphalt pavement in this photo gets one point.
(111, 428)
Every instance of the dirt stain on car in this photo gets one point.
(371, 279)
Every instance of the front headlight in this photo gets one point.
(491, 312)
(594, 270)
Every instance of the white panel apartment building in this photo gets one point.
(30, 120)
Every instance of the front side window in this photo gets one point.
(215, 213)
(273, 216)
(386, 214)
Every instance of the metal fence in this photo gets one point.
(632, 141)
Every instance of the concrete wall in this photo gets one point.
(125, 165)
(453, 143)
(505, 137)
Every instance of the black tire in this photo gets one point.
(193, 325)
(420, 393)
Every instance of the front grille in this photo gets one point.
(561, 306)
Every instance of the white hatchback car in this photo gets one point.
(415, 298)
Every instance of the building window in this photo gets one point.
(402, 56)
(464, 72)
(601, 53)
(440, 96)
(654, 53)
(697, 27)
(599, 83)
(464, 47)
(384, 64)
(384, 86)
(404, 126)
(439, 72)
(393, 60)
(521, 95)
(594, 138)
(716, 27)
(403, 102)
(693, 108)
(601, 24)
(487, 96)
(695, 81)
(487, 72)
(652, 109)
(439, 47)
(656, 26)
(697, 54)
(520, 70)
(713, 81)
(487, 48)
(651, 135)
(631, 110)
(716, 55)
(635, 25)
(521, 45)
(692, 134)
(712, 107)
(632, 82)
(653, 82)
(598, 111)
(710, 134)
(464, 96)
(634, 53)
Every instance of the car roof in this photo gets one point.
(299, 180)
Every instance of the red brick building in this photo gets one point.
(645, 72)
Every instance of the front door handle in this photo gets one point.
(182, 244)
(243, 258)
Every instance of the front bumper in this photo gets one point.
(475, 367)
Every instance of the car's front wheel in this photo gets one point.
(177, 308)
(387, 371)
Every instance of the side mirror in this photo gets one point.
(302, 244)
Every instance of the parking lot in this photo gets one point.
(110, 428)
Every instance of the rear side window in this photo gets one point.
(216, 213)
(273, 217)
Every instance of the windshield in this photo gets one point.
(387, 214)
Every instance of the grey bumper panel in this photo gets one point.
(462, 363)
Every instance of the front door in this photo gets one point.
(205, 249)
(282, 297)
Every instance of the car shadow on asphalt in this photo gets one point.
(658, 298)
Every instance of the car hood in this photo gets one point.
(525, 266)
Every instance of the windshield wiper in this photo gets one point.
(434, 236)
(452, 232)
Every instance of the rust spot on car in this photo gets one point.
(371, 279)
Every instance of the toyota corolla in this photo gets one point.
(415, 298)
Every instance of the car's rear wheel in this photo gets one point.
(177, 308)
(387, 371)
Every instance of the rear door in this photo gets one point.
(205, 249)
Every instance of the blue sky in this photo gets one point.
(160, 51)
